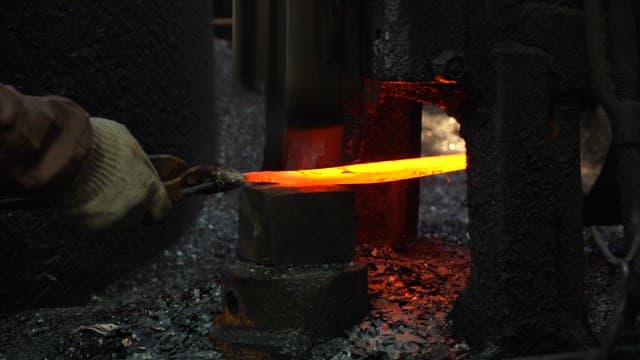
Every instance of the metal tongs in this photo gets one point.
(179, 179)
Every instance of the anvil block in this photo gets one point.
(296, 225)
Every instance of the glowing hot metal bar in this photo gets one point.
(368, 173)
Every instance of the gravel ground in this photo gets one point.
(164, 309)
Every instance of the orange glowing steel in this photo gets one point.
(368, 173)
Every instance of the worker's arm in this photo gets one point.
(92, 169)
(43, 141)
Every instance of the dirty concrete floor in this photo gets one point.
(163, 309)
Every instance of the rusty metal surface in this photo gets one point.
(320, 300)
(272, 307)
(386, 126)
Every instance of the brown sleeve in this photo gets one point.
(43, 141)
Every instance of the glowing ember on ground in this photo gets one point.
(444, 80)
(411, 294)
(368, 173)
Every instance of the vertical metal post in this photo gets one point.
(305, 55)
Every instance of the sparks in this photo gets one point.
(367, 173)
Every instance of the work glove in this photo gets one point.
(117, 186)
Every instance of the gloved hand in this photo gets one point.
(116, 187)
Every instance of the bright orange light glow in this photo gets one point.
(444, 80)
(367, 173)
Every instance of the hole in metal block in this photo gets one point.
(231, 302)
